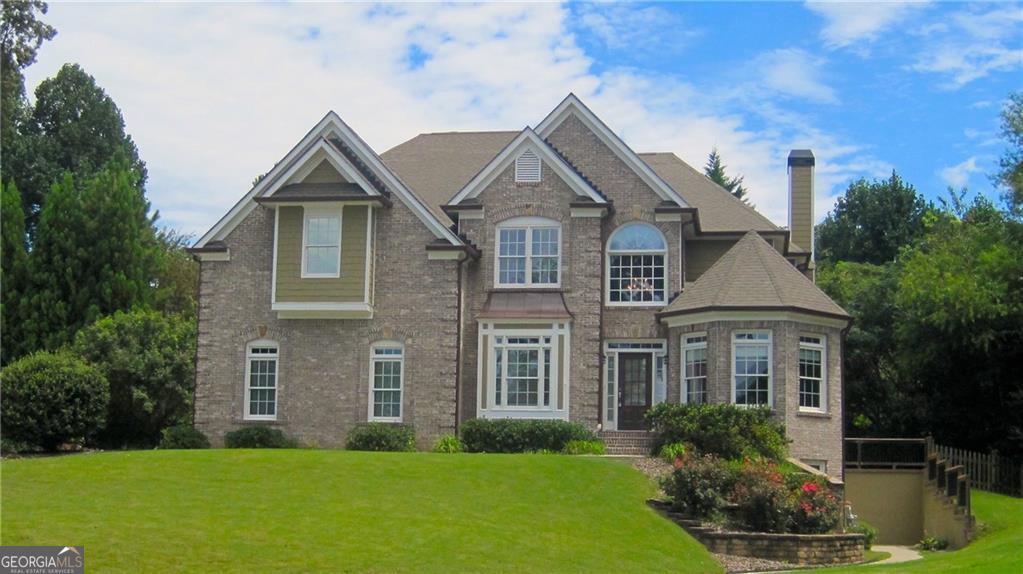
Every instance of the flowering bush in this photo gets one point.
(814, 509)
(700, 485)
(762, 498)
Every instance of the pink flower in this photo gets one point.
(811, 487)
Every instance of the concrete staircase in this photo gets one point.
(627, 443)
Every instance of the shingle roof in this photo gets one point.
(525, 305)
(718, 209)
(753, 275)
(436, 166)
(316, 192)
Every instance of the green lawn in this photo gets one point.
(998, 548)
(323, 510)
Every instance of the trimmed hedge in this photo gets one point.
(50, 399)
(521, 435)
(183, 437)
(382, 437)
(727, 431)
(258, 437)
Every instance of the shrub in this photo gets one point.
(260, 436)
(583, 447)
(931, 543)
(382, 437)
(448, 443)
(183, 437)
(700, 485)
(149, 359)
(815, 510)
(50, 399)
(673, 451)
(761, 498)
(515, 435)
(727, 431)
(868, 531)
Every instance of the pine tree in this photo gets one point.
(715, 170)
(14, 264)
(94, 254)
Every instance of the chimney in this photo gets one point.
(801, 164)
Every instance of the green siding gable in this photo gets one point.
(349, 288)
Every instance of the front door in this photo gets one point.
(635, 379)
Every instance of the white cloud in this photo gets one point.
(633, 28)
(794, 72)
(849, 23)
(958, 175)
(215, 94)
(974, 45)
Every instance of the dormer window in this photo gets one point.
(527, 167)
(528, 253)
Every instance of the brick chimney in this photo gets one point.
(801, 164)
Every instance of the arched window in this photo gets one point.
(636, 254)
(528, 253)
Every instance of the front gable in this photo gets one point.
(574, 130)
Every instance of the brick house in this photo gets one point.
(546, 273)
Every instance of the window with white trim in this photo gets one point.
(636, 254)
(528, 253)
(527, 167)
(751, 368)
(694, 373)
(261, 358)
(816, 464)
(522, 375)
(321, 243)
(387, 370)
(812, 377)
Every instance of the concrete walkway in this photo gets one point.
(898, 554)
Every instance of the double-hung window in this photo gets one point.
(636, 254)
(751, 368)
(694, 374)
(522, 374)
(812, 379)
(261, 380)
(528, 253)
(387, 372)
(321, 243)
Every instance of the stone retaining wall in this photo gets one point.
(802, 549)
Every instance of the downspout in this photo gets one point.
(198, 310)
(601, 386)
(841, 353)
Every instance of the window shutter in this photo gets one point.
(527, 167)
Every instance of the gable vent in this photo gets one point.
(527, 167)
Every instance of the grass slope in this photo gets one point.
(322, 510)
(997, 549)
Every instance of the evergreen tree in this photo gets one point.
(74, 126)
(21, 35)
(715, 170)
(1010, 175)
(94, 254)
(14, 264)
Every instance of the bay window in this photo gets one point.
(522, 373)
(812, 380)
(751, 368)
(694, 373)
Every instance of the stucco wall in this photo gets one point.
(890, 500)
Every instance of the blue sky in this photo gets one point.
(214, 94)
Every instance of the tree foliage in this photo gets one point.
(14, 264)
(176, 275)
(871, 222)
(21, 35)
(93, 255)
(51, 399)
(1011, 174)
(715, 170)
(148, 358)
(73, 127)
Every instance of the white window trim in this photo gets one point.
(521, 178)
(770, 364)
(308, 212)
(683, 379)
(374, 359)
(607, 266)
(248, 378)
(560, 369)
(658, 351)
(529, 224)
(541, 382)
(823, 348)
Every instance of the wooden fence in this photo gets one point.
(986, 471)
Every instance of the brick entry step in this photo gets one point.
(627, 443)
